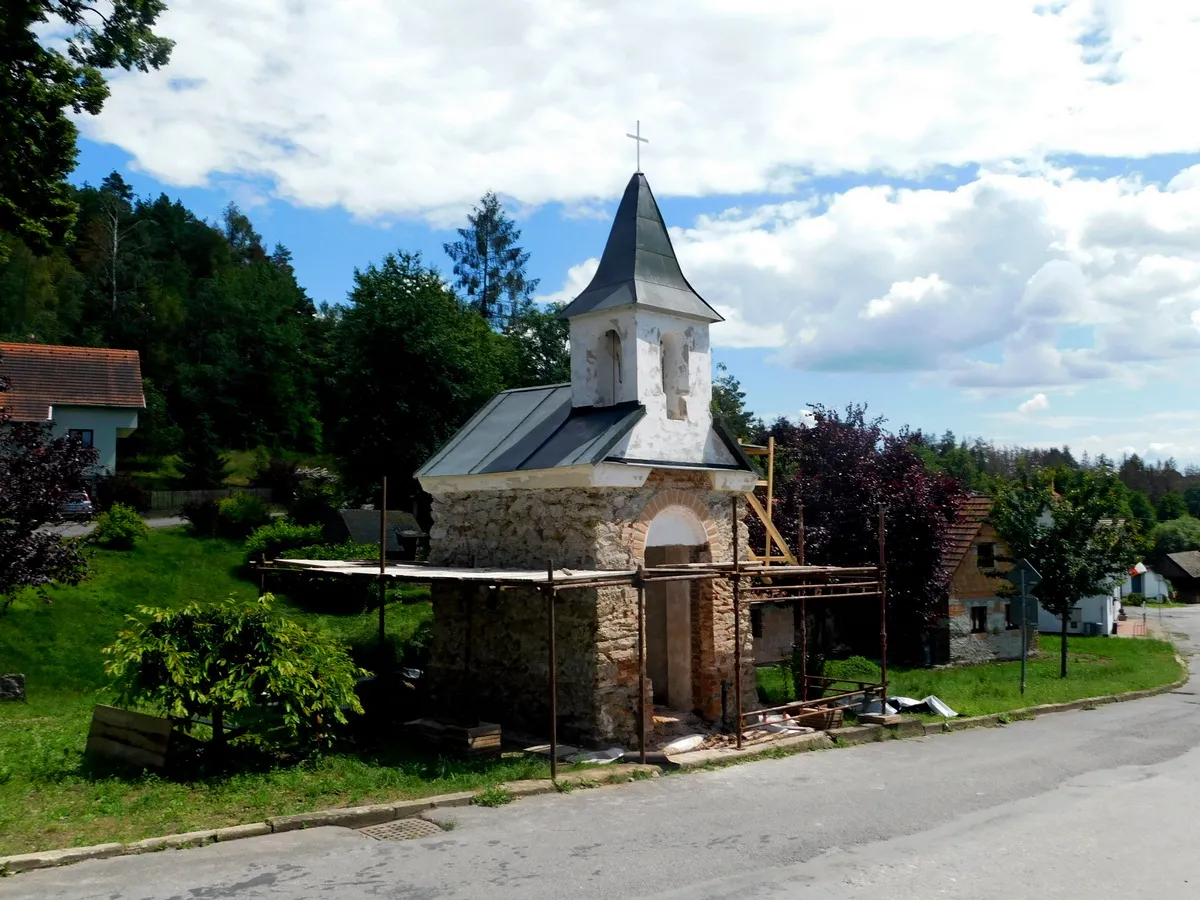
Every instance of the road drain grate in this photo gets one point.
(401, 830)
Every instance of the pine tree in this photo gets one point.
(201, 464)
(489, 264)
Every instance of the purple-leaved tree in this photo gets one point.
(842, 468)
(37, 472)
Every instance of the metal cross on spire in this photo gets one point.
(640, 140)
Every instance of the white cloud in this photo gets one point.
(400, 108)
(1006, 282)
(1035, 404)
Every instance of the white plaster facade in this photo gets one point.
(106, 425)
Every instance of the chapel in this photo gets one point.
(623, 467)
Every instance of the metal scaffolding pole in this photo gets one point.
(737, 627)
(551, 596)
(641, 704)
(883, 610)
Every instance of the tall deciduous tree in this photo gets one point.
(729, 405)
(412, 364)
(40, 85)
(538, 341)
(489, 264)
(1176, 536)
(37, 473)
(1075, 528)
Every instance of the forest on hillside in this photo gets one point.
(238, 359)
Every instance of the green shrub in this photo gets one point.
(316, 497)
(240, 514)
(220, 659)
(202, 515)
(1134, 600)
(348, 550)
(856, 668)
(274, 538)
(329, 593)
(277, 474)
(119, 528)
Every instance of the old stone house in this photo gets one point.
(620, 468)
(978, 625)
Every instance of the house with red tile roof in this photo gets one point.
(91, 393)
(977, 625)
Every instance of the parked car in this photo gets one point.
(78, 505)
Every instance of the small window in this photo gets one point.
(756, 621)
(1011, 620)
(979, 619)
(676, 370)
(609, 376)
(83, 435)
(986, 554)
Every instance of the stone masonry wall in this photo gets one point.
(602, 528)
(999, 642)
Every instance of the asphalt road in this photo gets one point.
(1089, 804)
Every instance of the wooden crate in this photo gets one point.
(820, 719)
(455, 739)
(130, 737)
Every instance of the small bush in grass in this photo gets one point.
(856, 668)
(120, 528)
(202, 515)
(279, 475)
(316, 497)
(1134, 600)
(493, 796)
(239, 515)
(234, 656)
(348, 550)
(270, 540)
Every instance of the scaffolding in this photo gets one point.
(754, 581)
(766, 512)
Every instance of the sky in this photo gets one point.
(969, 216)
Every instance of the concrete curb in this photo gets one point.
(345, 817)
(378, 813)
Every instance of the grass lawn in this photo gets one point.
(1095, 666)
(52, 796)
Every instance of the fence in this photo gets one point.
(168, 501)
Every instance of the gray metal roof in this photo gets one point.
(533, 428)
(639, 265)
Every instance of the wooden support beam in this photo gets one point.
(770, 526)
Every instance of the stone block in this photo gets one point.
(172, 841)
(12, 687)
(406, 809)
(529, 788)
(237, 832)
(26, 862)
(443, 801)
(856, 734)
(348, 817)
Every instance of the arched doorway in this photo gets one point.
(675, 536)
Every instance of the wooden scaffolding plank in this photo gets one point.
(770, 526)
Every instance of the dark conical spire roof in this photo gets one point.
(639, 267)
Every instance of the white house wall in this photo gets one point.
(106, 425)
(1091, 609)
